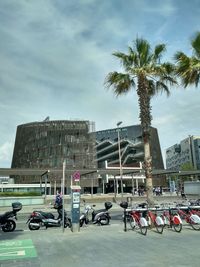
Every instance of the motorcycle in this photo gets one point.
(39, 219)
(7, 220)
(100, 217)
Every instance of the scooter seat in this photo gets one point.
(98, 211)
(6, 214)
(46, 214)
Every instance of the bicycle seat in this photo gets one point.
(142, 205)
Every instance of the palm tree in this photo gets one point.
(142, 66)
(188, 68)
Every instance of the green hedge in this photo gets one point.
(19, 194)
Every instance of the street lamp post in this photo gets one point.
(120, 160)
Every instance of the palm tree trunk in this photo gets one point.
(145, 118)
(148, 169)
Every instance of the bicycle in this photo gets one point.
(137, 221)
(155, 220)
(172, 220)
(192, 219)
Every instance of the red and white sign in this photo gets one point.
(76, 176)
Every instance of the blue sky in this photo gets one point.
(55, 55)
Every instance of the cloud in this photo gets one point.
(5, 151)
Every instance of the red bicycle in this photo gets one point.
(155, 220)
(192, 219)
(137, 221)
(172, 219)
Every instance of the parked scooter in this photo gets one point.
(7, 220)
(39, 219)
(100, 217)
(85, 216)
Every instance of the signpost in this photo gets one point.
(75, 201)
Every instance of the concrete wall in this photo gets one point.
(192, 188)
(7, 201)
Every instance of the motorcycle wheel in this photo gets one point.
(9, 226)
(104, 220)
(68, 223)
(34, 227)
(81, 223)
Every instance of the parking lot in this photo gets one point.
(99, 246)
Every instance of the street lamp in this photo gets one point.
(120, 160)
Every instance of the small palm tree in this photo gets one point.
(188, 68)
(142, 66)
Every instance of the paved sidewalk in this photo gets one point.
(107, 246)
(99, 246)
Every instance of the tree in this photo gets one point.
(188, 68)
(142, 66)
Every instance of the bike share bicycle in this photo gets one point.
(187, 214)
(135, 217)
(171, 218)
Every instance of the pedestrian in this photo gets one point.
(58, 200)
(139, 192)
(183, 194)
(161, 190)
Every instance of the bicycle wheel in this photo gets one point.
(132, 222)
(195, 222)
(177, 223)
(143, 225)
(159, 228)
(177, 227)
(159, 224)
(195, 226)
(143, 229)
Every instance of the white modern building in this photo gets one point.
(187, 151)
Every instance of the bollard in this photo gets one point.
(124, 205)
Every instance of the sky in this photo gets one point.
(56, 54)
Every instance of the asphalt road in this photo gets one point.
(99, 246)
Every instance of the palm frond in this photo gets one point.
(196, 45)
(180, 56)
(154, 88)
(143, 51)
(158, 50)
(188, 69)
(161, 87)
(121, 83)
(126, 60)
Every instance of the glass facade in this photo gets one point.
(47, 144)
(131, 144)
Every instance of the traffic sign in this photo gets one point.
(76, 176)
